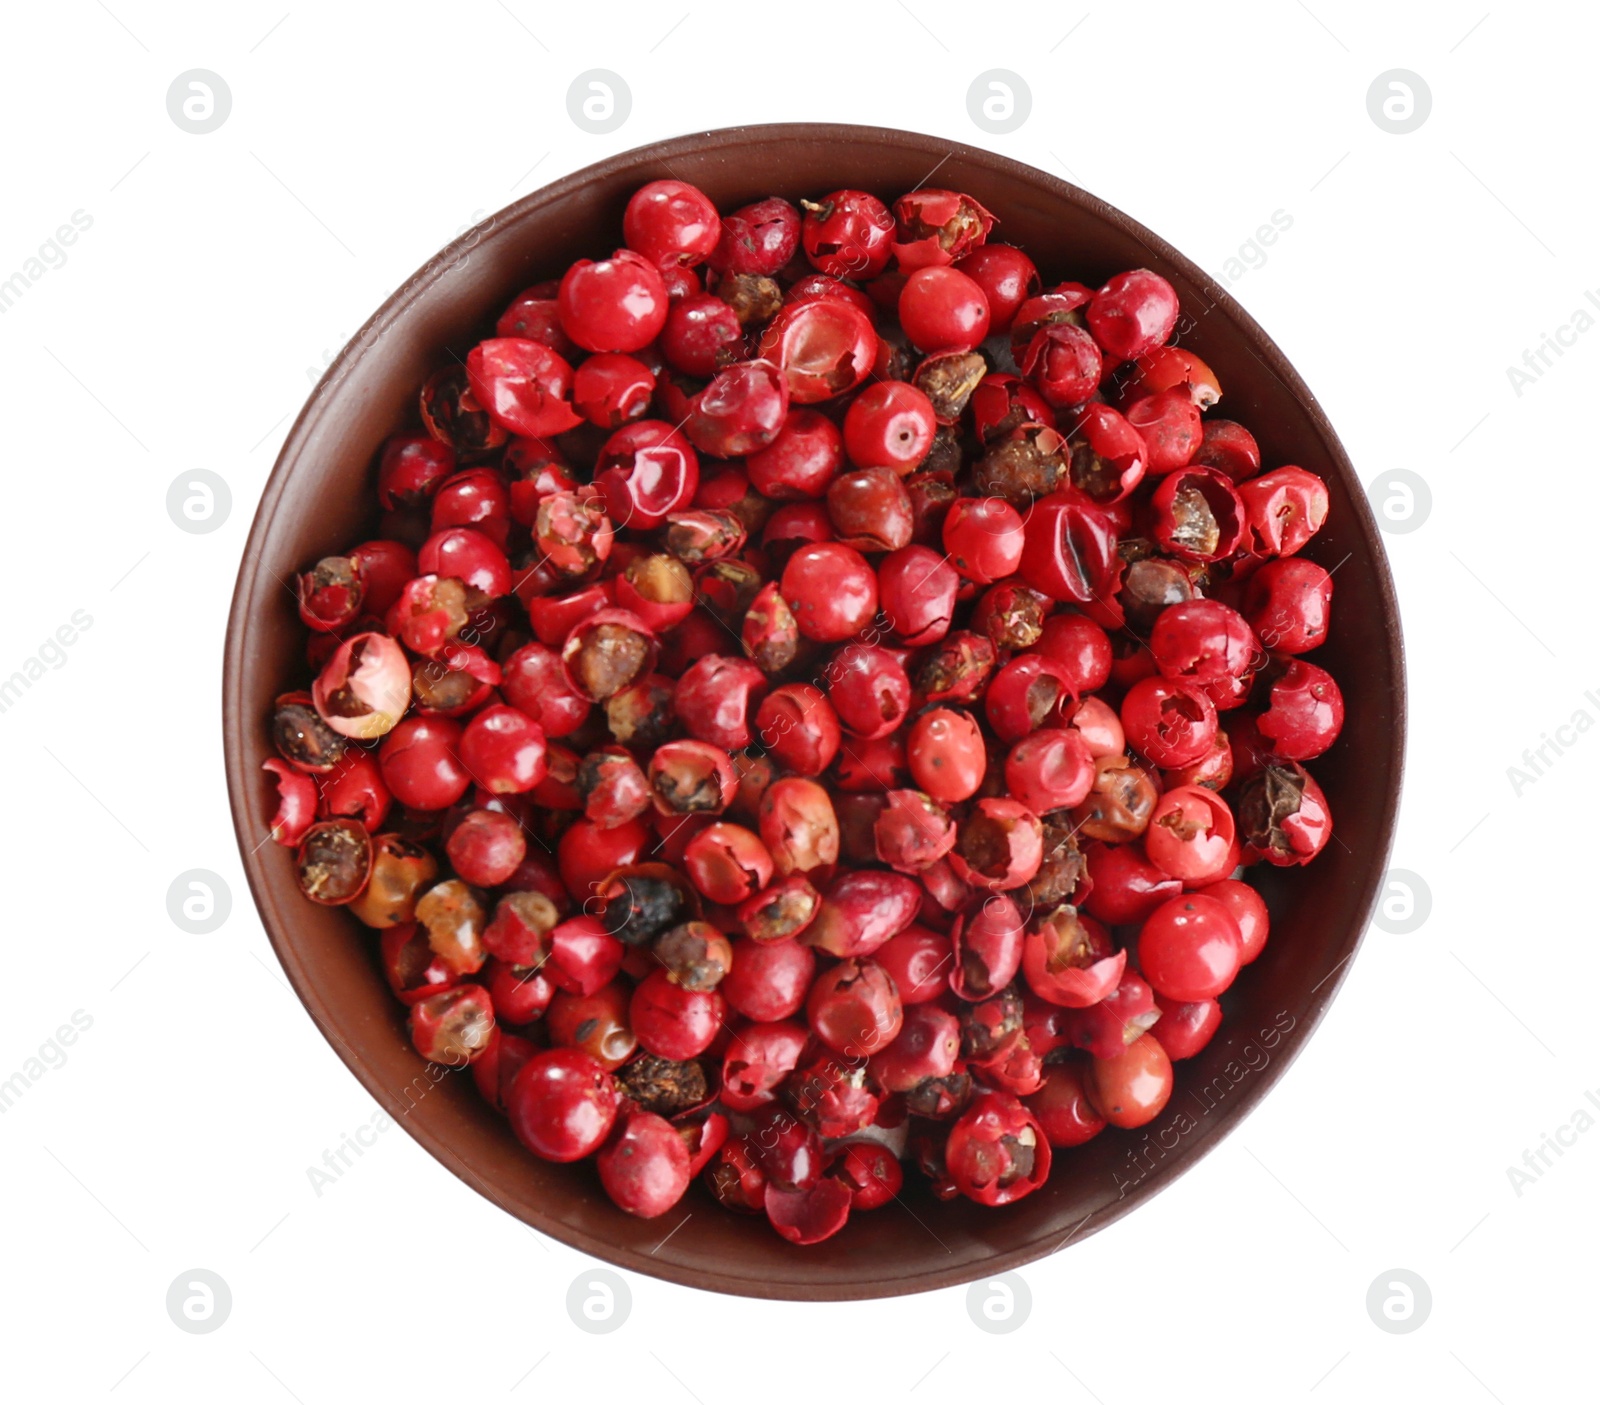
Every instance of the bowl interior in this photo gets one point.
(318, 501)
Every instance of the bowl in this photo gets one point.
(318, 499)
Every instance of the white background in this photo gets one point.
(183, 332)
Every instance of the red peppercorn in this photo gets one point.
(740, 411)
(1249, 911)
(1062, 1106)
(831, 591)
(1131, 1089)
(1229, 448)
(1125, 887)
(1286, 603)
(854, 1008)
(411, 468)
(523, 385)
(1304, 712)
(936, 227)
(486, 847)
(646, 470)
(942, 309)
(847, 234)
(917, 588)
(1050, 769)
(1185, 1028)
(759, 238)
(891, 424)
(617, 304)
(946, 754)
(562, 1104)
(727, 863)
(1284, 509)
(1191, 834)
(801, 461)
(1133, 313)
(673, 1022)
(1168, 721)
(997, 1151)
(999, 845)
(671, 222)
(1008, 279)
(984, 537)
(1069, 547)
(453, 1027)
(826, 347)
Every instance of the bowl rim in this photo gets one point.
(249, 584)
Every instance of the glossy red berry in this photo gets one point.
(759, 238)
(1131, 1089)
(942, 309)
(801, 461)
(1287, 603)
(917, 590)
(673, 1022)
(1008, 279)
(869, 690)
(617, 304)
(854, 1008)
(503, 750)
(997, 1151)
(984, 537)
(741, 411)
(831, 590)
(523, 385)
(1249, 910)
(890, 424)
(1050, 769)
(825, 348)
(562, 1104)
(1168, 721)
(1133, 313)
(1304, 711)
(453, 1027)
(671, 222)
(848, 234)
(1191, 835)
(421, 765)
(486, 847)
(610, 389)
(1189, 948)
(1283, 509)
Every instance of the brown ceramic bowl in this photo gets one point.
(319, 500)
